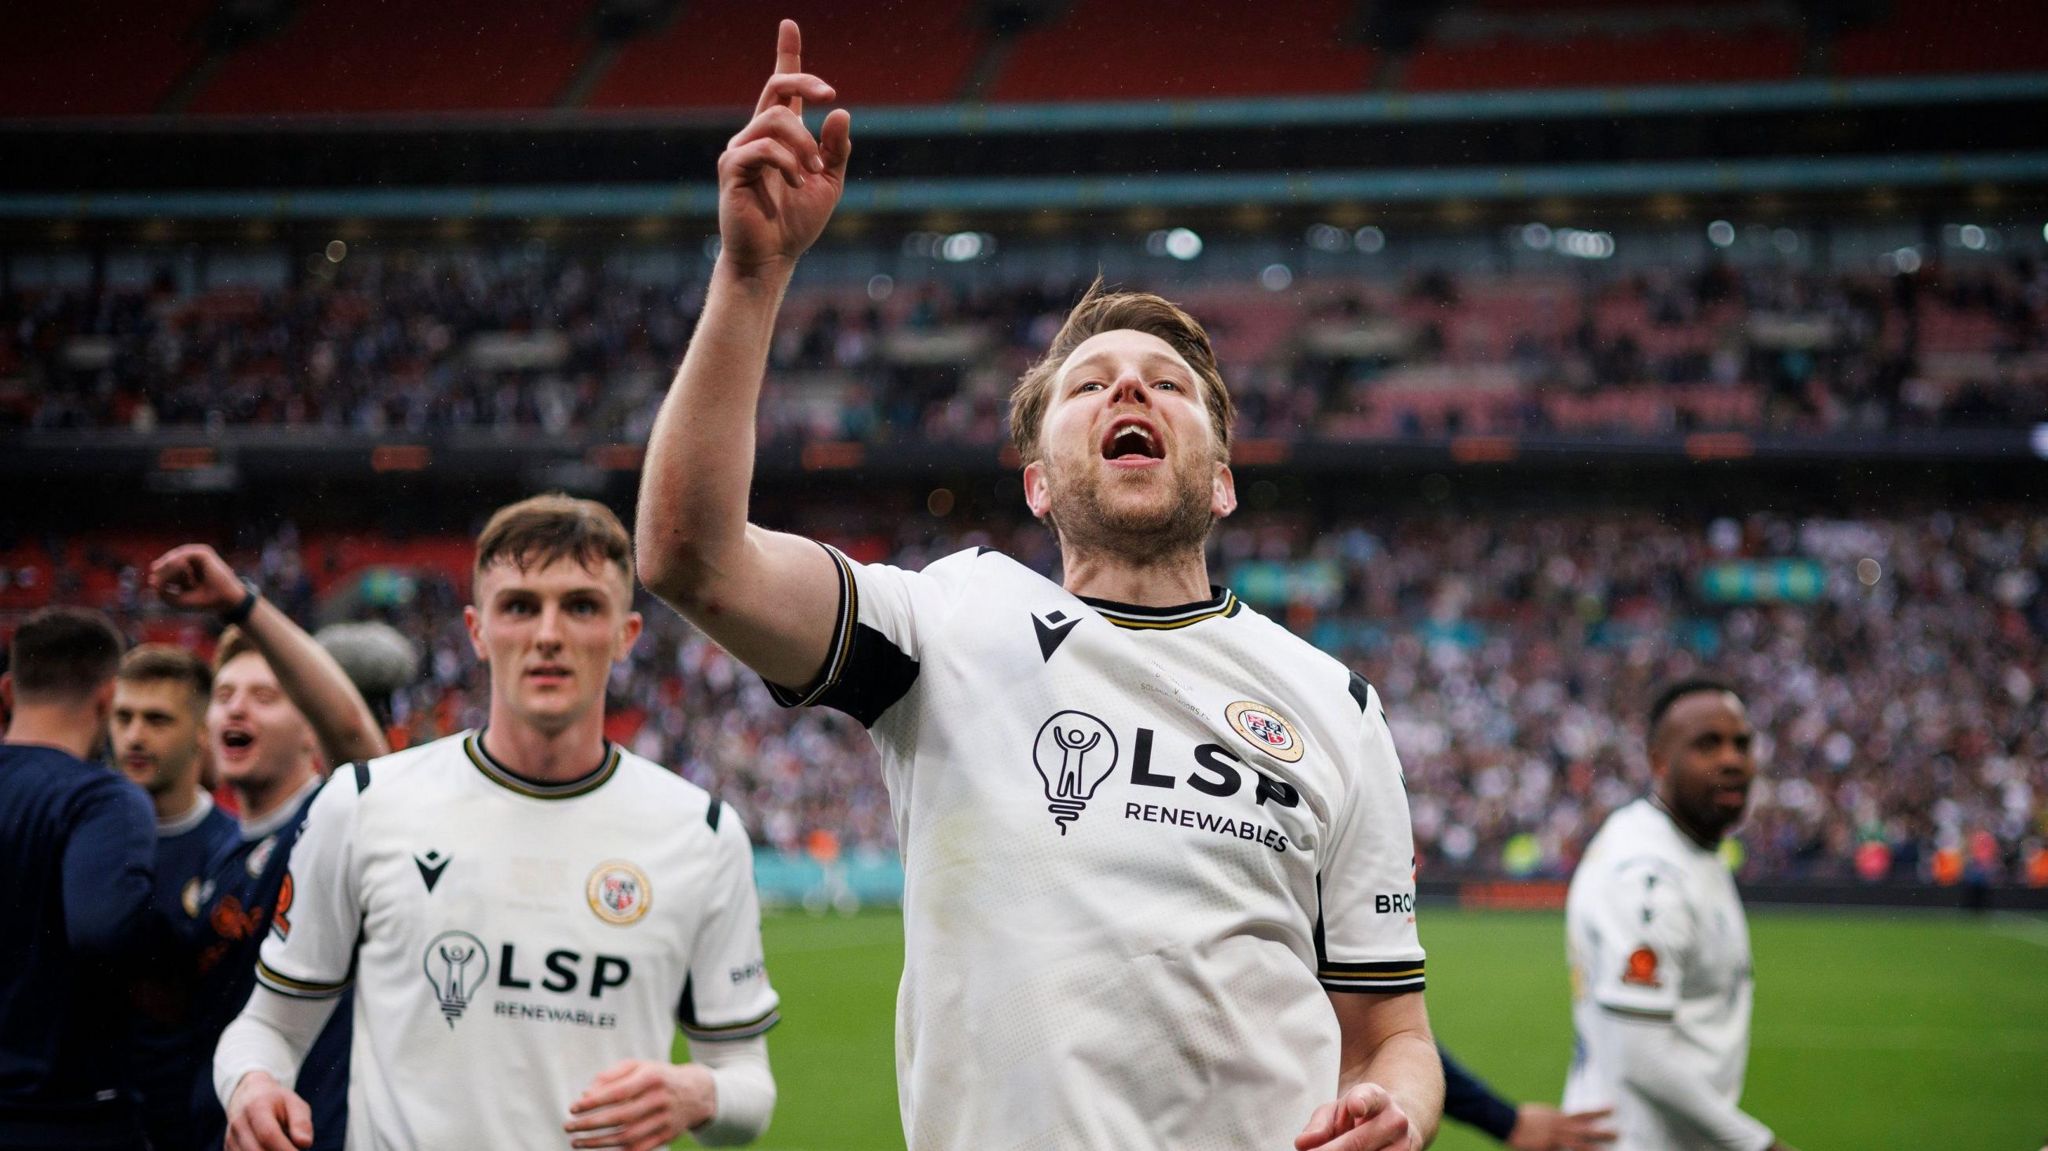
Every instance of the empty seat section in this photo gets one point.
(1933, 36)
(1672, 56)
(717, 53)
(1169, 49)
(83, 60)
(395, 56)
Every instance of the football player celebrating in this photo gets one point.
(1160, 886)
(1658, 945)
(281, 710)
(525, 911)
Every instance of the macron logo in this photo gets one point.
(1052, 631)
(431, 865)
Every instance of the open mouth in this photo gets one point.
(1132, 440)
(235, 742)
(549, 674)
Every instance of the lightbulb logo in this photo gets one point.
(1074, 753)
(456, 963)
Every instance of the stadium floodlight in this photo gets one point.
(1906, 261)
(2038, 439)
(1583, 245)
(1327, 238)
(1721, 234)
(1786, 241)
(1972, 237)
(964, 247)
(881, 286)
(1371, 240)
(1276, 277)
(1537, 237)
(1183, 244)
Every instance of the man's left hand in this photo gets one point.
(1364, 1118)
(641, 1105)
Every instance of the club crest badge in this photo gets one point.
(618, 892)
(1263, 728)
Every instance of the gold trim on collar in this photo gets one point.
(473, 745)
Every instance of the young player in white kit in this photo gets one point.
(1659, 947)
(1159, 873)
(526, 911)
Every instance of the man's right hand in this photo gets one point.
(264, 1116)
(194, 577)
(777, 185)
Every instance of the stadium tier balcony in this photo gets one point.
(427, 345)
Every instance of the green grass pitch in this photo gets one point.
(1873, 1030)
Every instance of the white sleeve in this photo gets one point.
(273, 1033)
(1366, 938)
(727, 995)
(885, 616)
(1647, 931)
(745, 1090)
(1653, 1068)
(311, 949)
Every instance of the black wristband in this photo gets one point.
(238, 615)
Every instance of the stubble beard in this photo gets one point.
(1088, 524)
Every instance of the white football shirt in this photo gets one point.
(510, 939)
(1655, 935)
(1138, 844)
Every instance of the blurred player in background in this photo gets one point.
(282, 711)
(1657, 941)
(1521, 1126)
(159, 742)
(1160, 885)
(76, 848)
(547, 907)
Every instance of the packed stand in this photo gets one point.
(428, 345)
(1903, 712)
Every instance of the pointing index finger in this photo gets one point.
(789, 56)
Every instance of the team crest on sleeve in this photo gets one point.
(618, 892)
(1263, 728)
(1642, 968)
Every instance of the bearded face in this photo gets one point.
(1129, 464)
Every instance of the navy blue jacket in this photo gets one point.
(76, 847)
(172, 1050)
(246, 880)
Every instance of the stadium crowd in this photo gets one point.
(1903, 713)
(427, 343)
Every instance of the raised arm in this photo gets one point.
(770, 598)
(194, 577)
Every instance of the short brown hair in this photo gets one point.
(1102, 311)
(166, 663)
(233, 642)
(539, 530)
(63, 653)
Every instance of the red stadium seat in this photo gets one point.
(1164, 49)
(1673, 56)
(1933, 36)
(353, 56)
(78, 60)
(716, 54)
